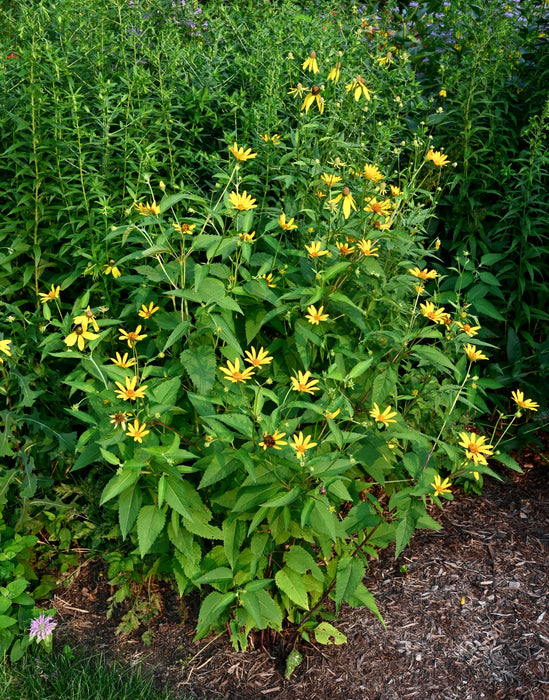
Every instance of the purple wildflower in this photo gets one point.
(42, 627)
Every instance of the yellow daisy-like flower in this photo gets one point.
(301, 444)
(345, 248)
(441, 487)
(395, 191)
(119, 418)
(185, 228)
(358, 84)
(49, 296)
(313, 96)
(437, 158)
(311, 63)
(131, 337)
(475, 449)
(123, 361)
(111, 269)
(247, 237)
(423, 274)
(419, 288)
(334, 73)
(332, 414)
(298, 91)
(385, 416)
(528, 404)
(275, 440)
(242, 202)
(466, 328)
(88, 317)
(314, 316)
(148, 209)
(304, 383)
(429, 311)
(269, 279)
(348, 202)
(79, 336)
(241, 154)
(5, 347)
(382, 208)
(473, 354)
(442, 92)
(371, 172)
(330, 179)
(129, 392)
(366, 248)
(275, 138)
(147, 311)
(257, 358)
(234, 374)
(137, 431)
(315, 249)
(286, 225)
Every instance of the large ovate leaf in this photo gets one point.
(150, 523)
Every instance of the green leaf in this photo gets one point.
(428, 355)
(166, 392)
(176, 334)
(200, 365)
(362, 596)
(129, 504)
(233, 537)
(325, 633)
(212, 613)
(119, 482)
(301, 561)
(221, 574)
(285, 499)
(506, 459)
(350, 573)
(150, 523)
(176, 497)
(292, 662)
(7, 621)
(292, 585)
(384, 385)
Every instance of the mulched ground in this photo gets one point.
(467, 620)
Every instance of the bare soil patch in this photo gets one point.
(467, 620)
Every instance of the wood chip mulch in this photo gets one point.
(466, 620)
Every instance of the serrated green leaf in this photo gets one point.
(200, 365)
(176, 497)
(150, 523)
(325, 633)
(119, 482)
(291, 583)
(350, 573)
(129, 504)
(213, 612)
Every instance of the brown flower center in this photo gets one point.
(315, 90)
(269, 440)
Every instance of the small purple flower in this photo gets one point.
(42, 627)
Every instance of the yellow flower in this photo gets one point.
(345, 248)
(148, 209)
(137, 431)
(275, 138)
(234, 374)
(314, 249)
(242, 202)
(419, 288)
(371, 172)
(442, 92)
(313, 96)
(428, 310)
(147, 311)
(441, 487)
(286, 225)
(275, 440)
(314, 316)
(475, 449)
(358, 84)
(382, 208)
(241, 154)
(518, 398)
(111, 269)
(334, 73)
(466, 328)
(5, 347)
(48, 296)
(474, 354)
(330, 179)
(298, 91)
(86, 318)
(386, 417)
(269, 279)
(257, 358)
(301, 444)
(132, 336)
(79, 336)
(119, 418)
(304, 383)
(123, 361)
(129, 392)
(332, 414)
(385, 60)
(185, 228)
(437, 158)
(367, 249)
(395, 191)
(348, 202)
(423, 274)
(311, 63)
(247, 237)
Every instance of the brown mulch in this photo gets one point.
(466, 620)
